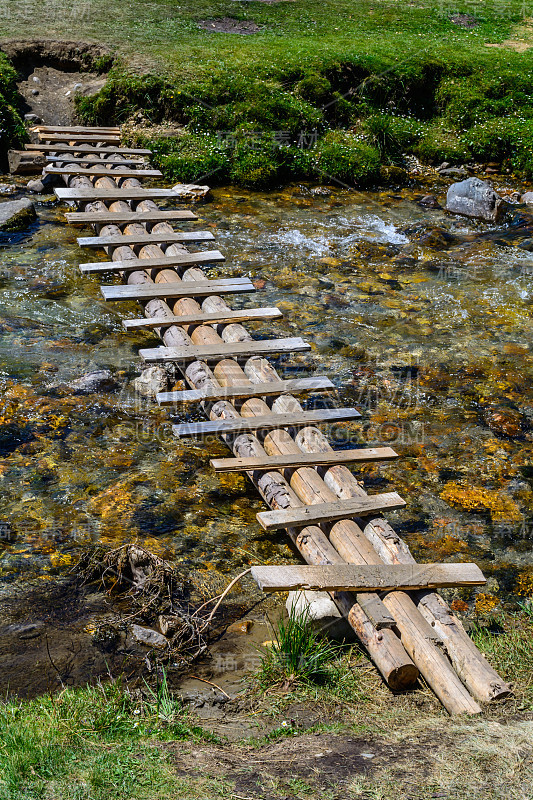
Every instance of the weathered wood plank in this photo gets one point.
(202, 257)
(329, 512)
(174, 290)
(367, 578)
(135, 193)
(75, 129)
(363, 456)
(210, 352)
(147, 238)
(107, 138)
(86, 148)
(73, 159)
(298, 419)
(115, 172)
(126, 217)
(296, 386)
(247, 314)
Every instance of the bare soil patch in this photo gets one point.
(229, 25)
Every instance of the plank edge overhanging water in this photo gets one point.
(373, 542)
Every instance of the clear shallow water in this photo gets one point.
(429, 335)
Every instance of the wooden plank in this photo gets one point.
(75, 129)
(214, 352)
(329, 512)
(73, 159)
(366, 578)
(246, 315)
(126, 217)
(174, 290)
(136, 193)
(108, 172)
(296, 386)
(203, 257)
(297, 419)
(376, 611)
(147, 238)
(86, 148)
(364, 456)
(107, 138)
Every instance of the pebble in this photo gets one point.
(242, 626)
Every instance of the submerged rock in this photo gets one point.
(504, 421)
(15, 215)
(475, 198)
(99, 381)
(191, 191)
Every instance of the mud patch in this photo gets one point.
(52, 73)
(60, 635)
(323, 761)
(229, 25)
(49, 93)
(464, 21)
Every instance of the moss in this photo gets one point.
(12, 130)
(341, 156)
(476, 498)
(191, 157)
(314, 88)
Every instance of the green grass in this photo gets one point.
(399, 76)
(97, 743)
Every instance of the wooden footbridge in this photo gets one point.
(352, 551)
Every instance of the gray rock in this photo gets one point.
(148, 637)
(35, 185)
(190, 191)
(35, 92)
(324, 616)
(99, 381)
(7, 188)
(15, 215)
(453, 172)
(78, 87)
(477, 199)
(527, 198)
(32, 117)
(151, 381)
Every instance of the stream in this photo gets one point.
(422, 320)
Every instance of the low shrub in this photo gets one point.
(504, 140)
(441, 144)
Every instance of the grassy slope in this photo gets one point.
(106, 743)
(358, 61)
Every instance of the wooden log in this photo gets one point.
(97, 169)
(319, 513)
(127, 218)
(148, 238)
(22, 163)
(267, 422)
(85, 148)
(175, 290)
(383, 646)
(247, 314)
(363, 456)
(89, 195)
(296, 386)
(366, 578)
(202, 257)
(210, 352)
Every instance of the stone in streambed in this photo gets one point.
(323, 615)
(527, 198)
(505, 421)
(151, 381)
(15, 215)
(99, 381)
(476, 199)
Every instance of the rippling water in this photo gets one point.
(422, 320)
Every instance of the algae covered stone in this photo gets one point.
(15, 215)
